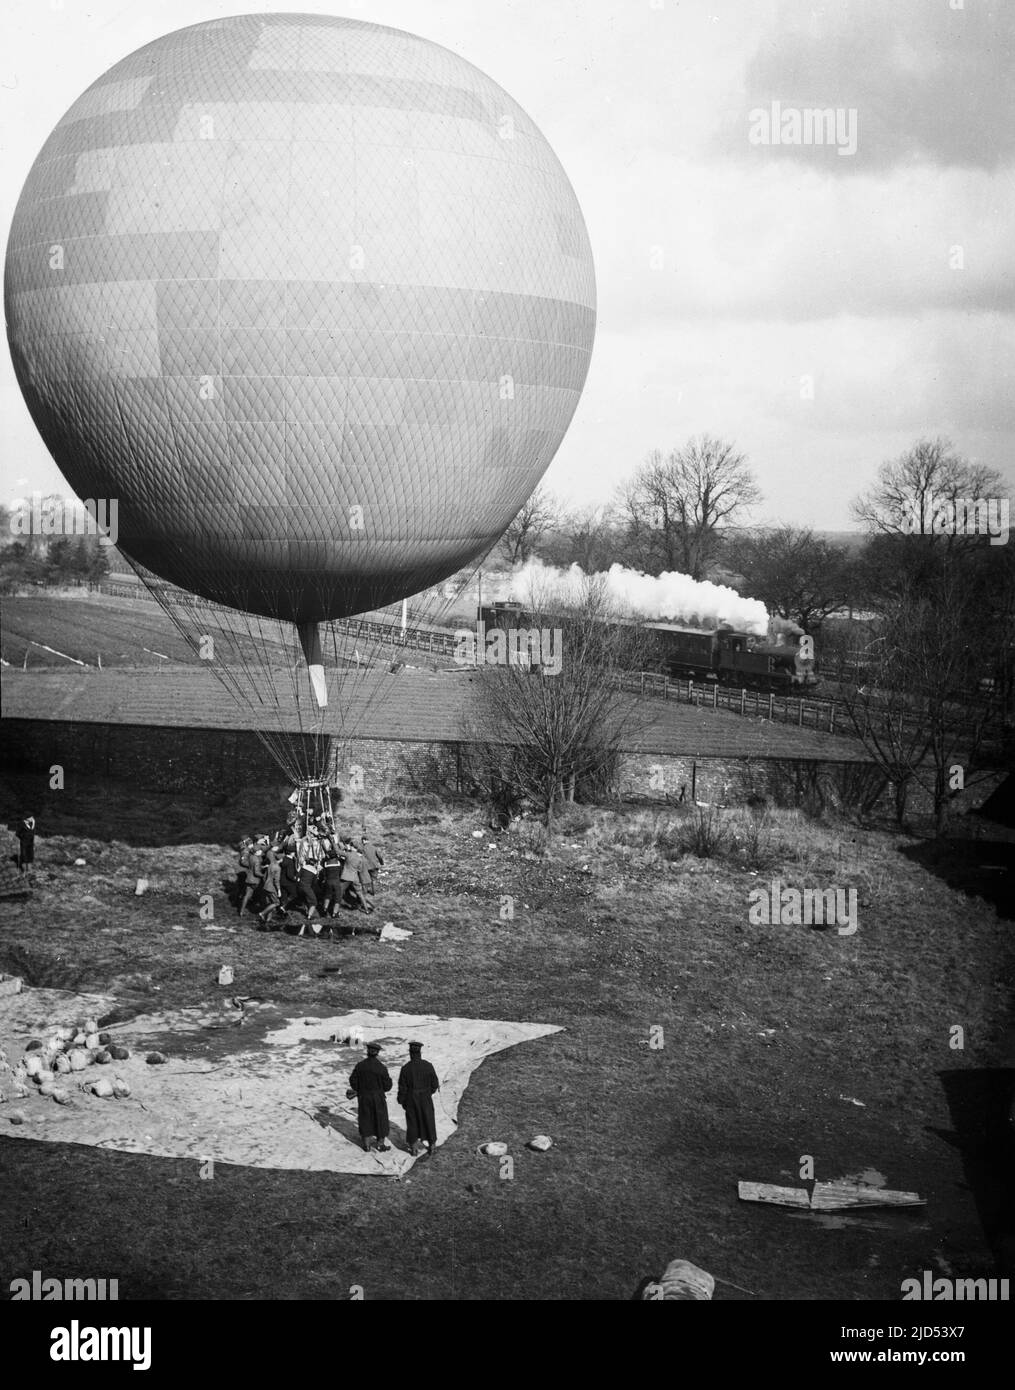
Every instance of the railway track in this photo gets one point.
(817, 713)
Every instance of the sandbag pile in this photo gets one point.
(48, 1066)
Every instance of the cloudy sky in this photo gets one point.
(821, 309)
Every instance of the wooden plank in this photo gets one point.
(837, 1196)
(766, 1192)
(827, 1196)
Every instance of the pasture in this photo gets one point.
(773, 1042)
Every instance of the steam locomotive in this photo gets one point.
(724, 655)
(734, 658)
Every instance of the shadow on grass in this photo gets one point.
(978, 868)
(981, 1103)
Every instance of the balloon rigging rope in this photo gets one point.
(247, 668)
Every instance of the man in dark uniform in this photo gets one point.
(26, 843)
(373, 860)
(246, 848)
(254, 872)
(272, 879)
(289, 879)
(333, 886)
(417, 1082)
(308, 862)
(368, 1083)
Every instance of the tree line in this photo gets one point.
(35, 560)
(685, 511)
(925, 671)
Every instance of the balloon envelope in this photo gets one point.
(311, 299)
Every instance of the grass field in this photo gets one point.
(122, 632)
(770, 1035)
(55, 631)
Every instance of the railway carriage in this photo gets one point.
(722, 654)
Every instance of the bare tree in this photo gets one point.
(909, 490)
(675, 505)
(794, 573)
(539, 514)
(945, 654)
(584, 537)
(883, 718)
(917, 704)
(551, 736)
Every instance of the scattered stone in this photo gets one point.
(101, 1088)
(61, 1064)
(155, 1059)
(120, 1054)
(32, 1045)
(389, 932)
(102, 1056)
(105, 1039)
(80, 863)
(226, 975)
(78, 1059)
(121, 1088)
(17, 1117)
(61, 1097)
(140, 887)
(540, 1143)
(493, 1149)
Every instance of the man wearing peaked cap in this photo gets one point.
(417, 1082)
(369, 1081)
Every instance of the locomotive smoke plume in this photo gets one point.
(669, 597)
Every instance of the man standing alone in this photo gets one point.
(26, 843)
(417, 1082)
(372, 858)
(368, 1083)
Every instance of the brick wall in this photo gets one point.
(170, 759)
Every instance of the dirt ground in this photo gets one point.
(699, 1049)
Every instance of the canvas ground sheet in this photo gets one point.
(255, 1084)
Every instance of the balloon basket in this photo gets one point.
(313, 800)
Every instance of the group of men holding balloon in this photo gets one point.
(309, 865)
